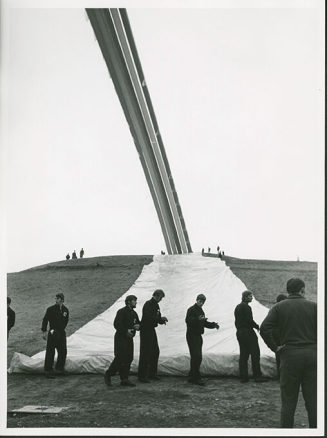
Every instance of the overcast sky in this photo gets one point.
(239, 97)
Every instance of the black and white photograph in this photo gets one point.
(162, 217)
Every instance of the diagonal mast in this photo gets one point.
(114, 35)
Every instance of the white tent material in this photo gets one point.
(182, 277)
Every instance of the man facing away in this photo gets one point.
(11, 316)
(126, 323)
(149, 348)
(196, 322)
(247, 339)
(57, 317)
(296, 320)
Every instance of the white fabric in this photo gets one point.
(182, 277)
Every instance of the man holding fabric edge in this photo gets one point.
(196, 322)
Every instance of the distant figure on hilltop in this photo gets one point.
(11, 316)
(67, 256)
(209, 249)
(202, 252)
(81, 253)
(74, 256)
(218, 248)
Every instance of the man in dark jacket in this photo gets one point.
(149, 348)
(196, 322)
(126, 323)
(296, 320)
(11, 316)
(247, 339)
(57, 316)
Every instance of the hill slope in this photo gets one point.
(92, 285)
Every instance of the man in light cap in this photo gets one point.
(196, 322)
(57, 316)
(296, 320)
(126, 323)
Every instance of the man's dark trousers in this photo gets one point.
(248, 342)
(298, 367)
(149, 353)
(194, 342)
(56, 341)
(124, 352)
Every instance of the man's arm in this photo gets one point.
(266, 329)
(66, 317)
(45, 321)
(45, 324)
(211, 325)
(11, 319)
(249, 317)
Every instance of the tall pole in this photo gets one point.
(114, 35)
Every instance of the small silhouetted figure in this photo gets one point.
(209, 249)
(218, 248)
(81, 253)
(67, 256)
(74, 256)
(163, 253)
(11, 316)
(202, 252)
(222, 254)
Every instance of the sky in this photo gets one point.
(238, 93)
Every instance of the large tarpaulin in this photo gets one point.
(182, 277)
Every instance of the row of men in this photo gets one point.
(74, 256)
(290, 330)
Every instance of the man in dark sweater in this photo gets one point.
(247, 339)
(296, 320)
(57, 316)
(126, 323)
(149, 348)
(196, 322)
(11, 316)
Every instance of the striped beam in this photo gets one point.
(114, 35)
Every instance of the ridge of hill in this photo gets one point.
(92, 285)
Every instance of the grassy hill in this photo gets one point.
(267, 278)
(91, 285)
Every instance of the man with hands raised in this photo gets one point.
(196, 322)
(126, 323)
(149, 348)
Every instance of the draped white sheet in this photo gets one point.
(182, 277)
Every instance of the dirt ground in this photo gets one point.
(172, 402)
(91, 286)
